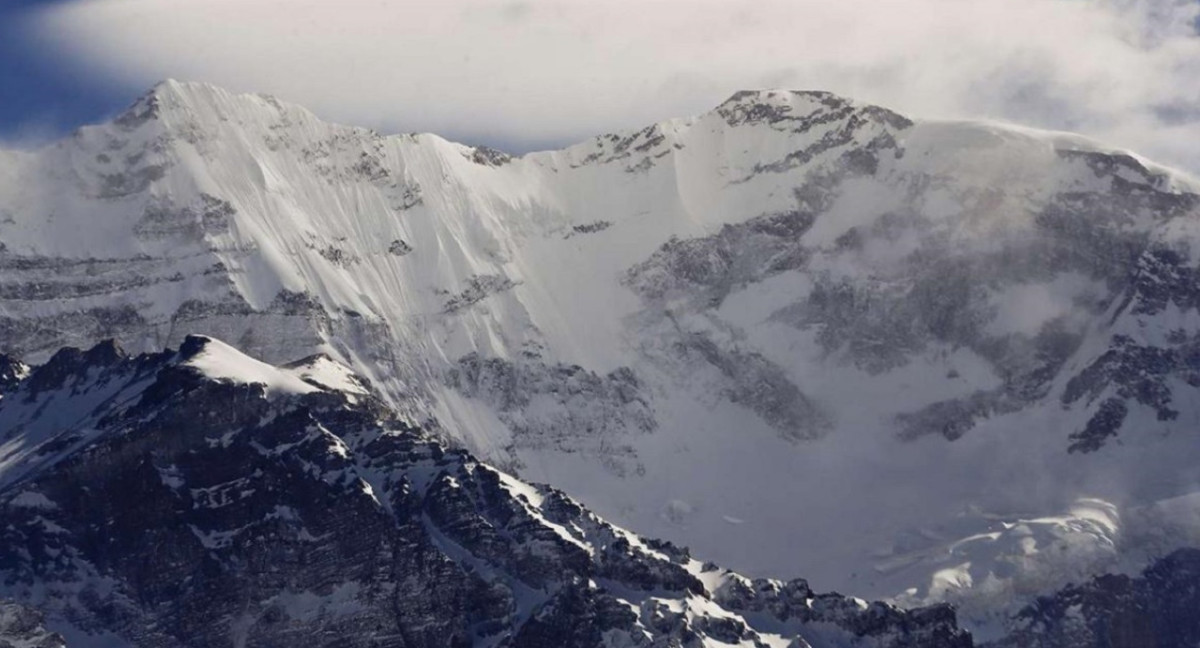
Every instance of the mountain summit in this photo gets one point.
(803, 335)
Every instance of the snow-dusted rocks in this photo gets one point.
(11, 372)
(21, 627)
(1156, 608)
(800, 334)
(203, 498)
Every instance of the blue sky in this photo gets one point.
(527, 74)
(43, 94)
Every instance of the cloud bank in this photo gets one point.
(540, 73)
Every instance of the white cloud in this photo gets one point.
(542, 72)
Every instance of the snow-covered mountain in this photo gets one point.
(201, 498)
(924, 360)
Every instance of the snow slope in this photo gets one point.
(802, 335)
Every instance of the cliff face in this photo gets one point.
(202, 498)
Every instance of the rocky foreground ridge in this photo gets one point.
(201, 498)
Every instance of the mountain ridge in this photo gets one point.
(273, 509)
(760, 96)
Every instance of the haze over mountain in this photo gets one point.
(801, 335)
(528, 74)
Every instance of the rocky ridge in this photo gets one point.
(1156, 608)
(202, 498)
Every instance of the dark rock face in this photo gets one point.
(588, 228)
(399, 247)
(1156, 609)
(478, 288)
(708, 269)
(759, 385)
(872, 126)
(179, 508)
(488, 156)
(1134, 373)
(647, 146)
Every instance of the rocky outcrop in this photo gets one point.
(201, 498)
(476, 289)
(708, 269)
(21, 627)
(1157, 608)
(12, 371)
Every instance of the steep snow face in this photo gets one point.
(271, 515)
(800, 334)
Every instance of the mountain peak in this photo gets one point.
(219, 361)
(782, 96)
(194, 98)
(804, 106)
